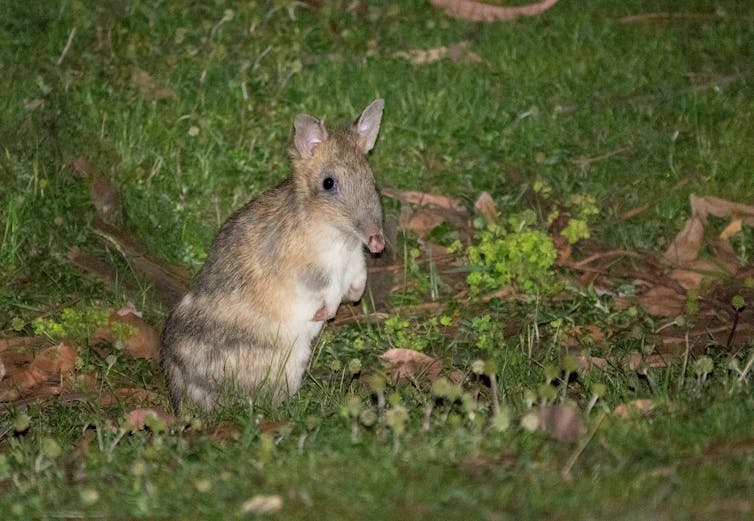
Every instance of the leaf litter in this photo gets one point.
(664, 283)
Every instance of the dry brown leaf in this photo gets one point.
(44, 374)
(709, 205)
(696, 272)
(587, 362)
(456, 52)
(562, 422)
(407, 363)
(16, 359)
(586, 334)
(639, 361)
(734, 226)
(425, 199)
(422, 222)
(137, 419)
(130, 396)
(563, 247)
(662, 301)
(634, 408)
(686, 245)
(143, 343)
(20, 342)
(105, 195)
(481, 12)
(145, 84)
(486, 206)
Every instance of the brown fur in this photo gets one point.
(277, 267)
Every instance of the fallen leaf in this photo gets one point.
(130, 396)
(422, 222)
(639, 361)
(734, 226)
(486, 206)
(21, 341)
(686, 245)
(129, 308)
(262, 505)
(722, 208)
(105, 195)
(274, 428)
(139, 419)
(44, 374)
(481, 12)
(662, 301)
(407, 363)
(562, 422)
(144, 342)
(563, 248)
(695, 273)
(634, 408)
(425, 199)
(587, 362)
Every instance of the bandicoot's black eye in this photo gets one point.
(328, 184)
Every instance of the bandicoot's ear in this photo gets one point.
(309, 132)
(368, 125)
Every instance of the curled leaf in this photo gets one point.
(139, 340)
(407, 363)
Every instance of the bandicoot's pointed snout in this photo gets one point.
(376, 243)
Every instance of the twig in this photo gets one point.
(566, 472)
(733, 329)
(602, 255)
(584, 162)
(67, 46)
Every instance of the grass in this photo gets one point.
(671, 100)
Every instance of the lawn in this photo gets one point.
(600, 374)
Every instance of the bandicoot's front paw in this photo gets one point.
(355, 291)
(323, 313)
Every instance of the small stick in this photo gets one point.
(566, 472)
(733, 329)
(67, 46)
(602, 255)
